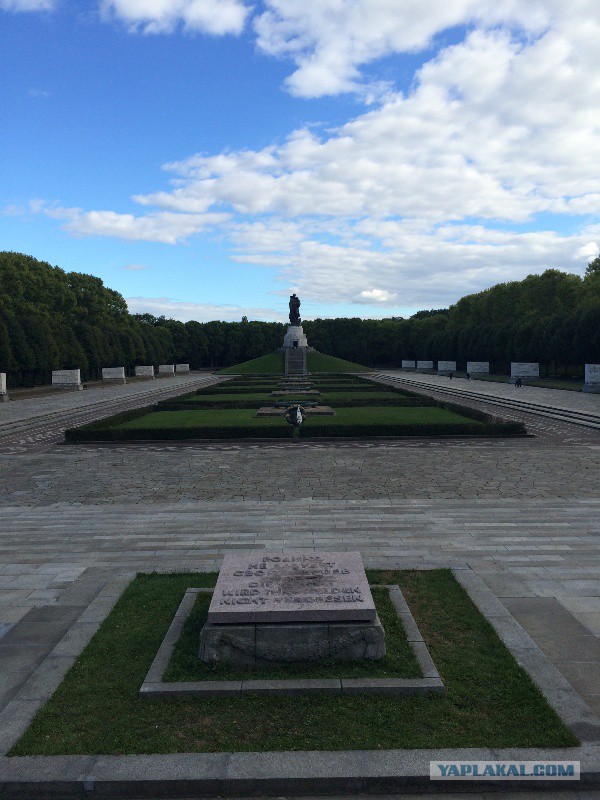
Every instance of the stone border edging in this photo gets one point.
(559, 693)
(429, 683)
(274, 773)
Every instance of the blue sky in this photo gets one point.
(208, 157)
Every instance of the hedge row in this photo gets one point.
(406, 402)
(88, 434)
(444, 429)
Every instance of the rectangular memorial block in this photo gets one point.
(424, 364)
(446, 366)
(263, 586)
(66, 378)
(144, 372)
(478, 367)
(592, 373)
(408, 364)
(113, 374)
(2, 382)
(182, 368)
(166, 369)
(524, 370)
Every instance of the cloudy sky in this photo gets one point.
(208, 157)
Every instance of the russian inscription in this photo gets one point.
(291, 587)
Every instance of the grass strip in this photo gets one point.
(490, 701)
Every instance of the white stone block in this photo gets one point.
(424, 364)
(295, 337)
(166, 369)
(66, 379)
(592, 378)
(182, 368)
(144, 372)
(408, 364)
(592, 373)
(115, 374)
(2, 382)
(520, 369)
(446, 366)
(478, 367)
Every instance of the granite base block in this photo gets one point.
(260, 644)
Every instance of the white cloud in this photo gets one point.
(201, 312)
(39, 93)
(217, 17)
(162, 226)
(587, 252)
(330, 40)
(135, 267)
(27, 5)
(376, 296)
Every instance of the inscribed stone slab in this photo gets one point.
(424, 364)
(2, 382)
(408, 364)
(144, 372)
(592, 374)
(446, 366)
(182, 367)
(524, 370)
(113, 373)
(478, 367)
(66, 377)
(262, 586)
(166, 369)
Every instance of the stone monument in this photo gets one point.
(295, 343)
(146, 371)
(478, 367)
(520, 369)
(271, 607)
(69, 379)
(114, 374)
(592, 378)
(3, 392)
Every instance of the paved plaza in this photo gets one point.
(524, 514)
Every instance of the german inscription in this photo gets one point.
(263, 586)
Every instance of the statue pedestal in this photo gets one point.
(295, 337)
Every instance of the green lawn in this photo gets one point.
(490, 701)
(390, 415)
(271, 364)
(203, 418)
(320, 362)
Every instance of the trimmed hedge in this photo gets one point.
(428, 430)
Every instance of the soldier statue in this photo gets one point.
(295, 310)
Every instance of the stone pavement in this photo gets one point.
(524, 514)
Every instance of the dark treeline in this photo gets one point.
(51, 319)
(553, 319)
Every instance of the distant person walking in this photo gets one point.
(518, 382)
(468, 376)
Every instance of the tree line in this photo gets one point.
(52, 319)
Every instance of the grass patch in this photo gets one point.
(490, 701)
(271, 364)
(320, 362)
(399, 661)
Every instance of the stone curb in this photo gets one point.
(270, 774)
(559, 693)
(430, 683)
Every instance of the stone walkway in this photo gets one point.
(524, 514)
